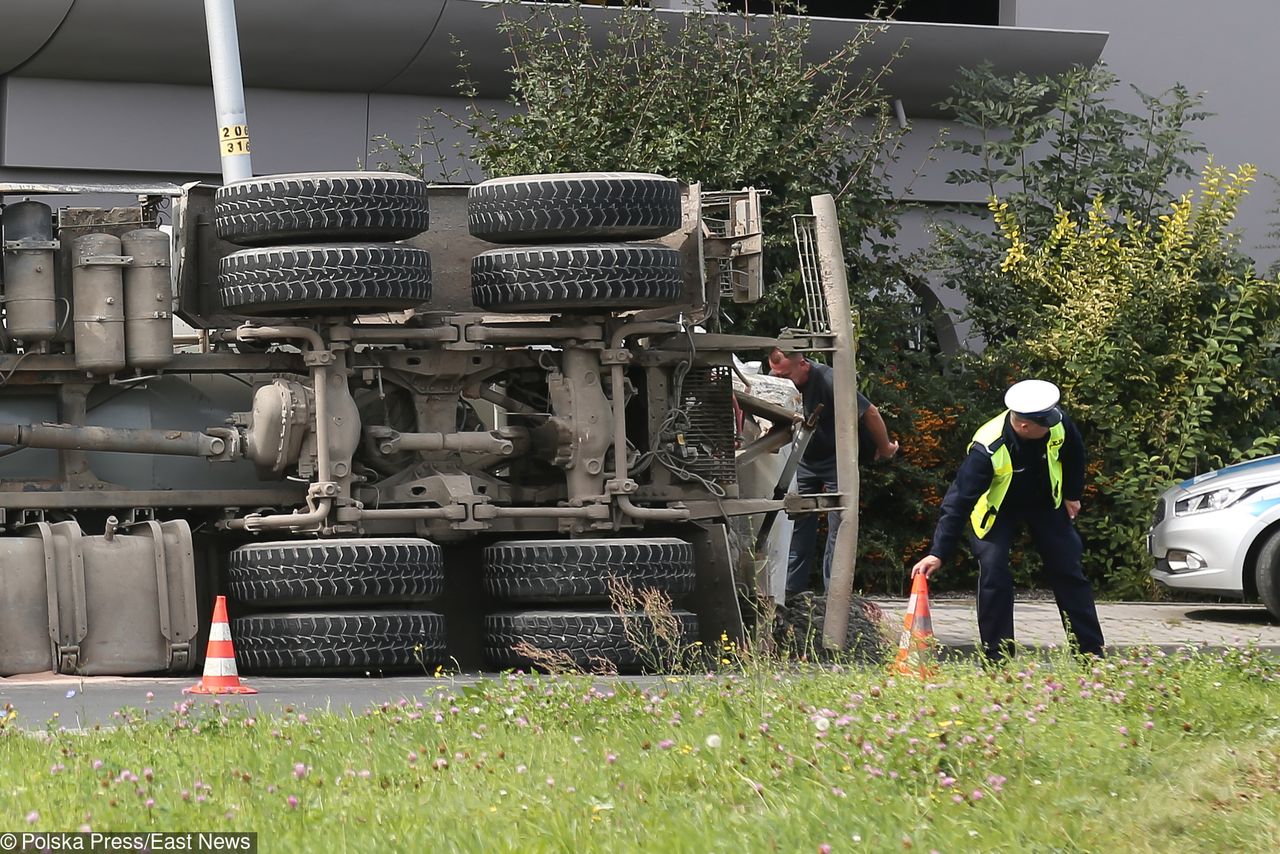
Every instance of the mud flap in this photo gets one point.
(715, 595)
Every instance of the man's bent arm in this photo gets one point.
(885, 448)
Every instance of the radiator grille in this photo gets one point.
(707, 398)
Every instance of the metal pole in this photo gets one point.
(835, 289)
(228, 90)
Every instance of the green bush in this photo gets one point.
(1040, 162)
(1137, 302)
(1164, 344)
(933, 413)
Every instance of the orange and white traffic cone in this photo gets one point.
(220, 676)
(917, 632)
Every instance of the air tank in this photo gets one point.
(148, 299)
(98, 304)
(31, 308)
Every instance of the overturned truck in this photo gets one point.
(392, 443)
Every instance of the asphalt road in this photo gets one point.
(83, 702)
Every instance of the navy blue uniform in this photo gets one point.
(818, 472)
(1029, 500)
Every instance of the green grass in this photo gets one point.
(1142, 753)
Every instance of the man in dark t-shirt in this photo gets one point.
(818, 465)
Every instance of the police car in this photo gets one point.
(1219, 533)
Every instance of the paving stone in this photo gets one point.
(1124, 624)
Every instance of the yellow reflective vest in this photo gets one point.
(983, 517)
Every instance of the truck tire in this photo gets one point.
(600, 277)
(1268, 574)
(579, 570)
(372, 642)
(573, 206)
(339, 572)
(592, 640)
(324, 206)
(359, 277)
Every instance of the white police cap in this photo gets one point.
(1034, 400)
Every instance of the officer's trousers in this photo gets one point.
(1059, 545)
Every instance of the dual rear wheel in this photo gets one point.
(366, 594)
(608, 627)
(320, 243)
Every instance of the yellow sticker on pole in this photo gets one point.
(233, 139)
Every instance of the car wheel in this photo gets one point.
(599, 278)
(359, 277)
(336, 572)
(324, 206)
(574, 206)
(373, 642)
(1268, 574)
(580, 570)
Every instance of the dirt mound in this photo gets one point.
(798, 627)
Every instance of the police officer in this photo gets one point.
(818, 465)
(1024, 465)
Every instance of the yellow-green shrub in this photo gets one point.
(1163, 339)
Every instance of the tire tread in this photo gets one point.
(590, 277)
(302, 572)
(355, 642)
(588, 637)
(579, 570)
(587, 205)
(325, 206)
(359, 277)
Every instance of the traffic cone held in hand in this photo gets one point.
(220, 676)
(917, 632)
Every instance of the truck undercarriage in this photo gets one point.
(393, 446)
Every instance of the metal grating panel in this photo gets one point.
(806, 246)
(707, 398)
